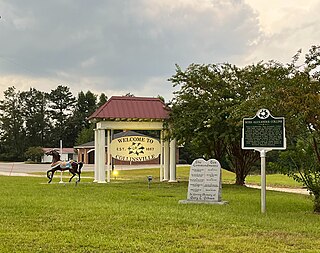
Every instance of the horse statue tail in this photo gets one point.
(80, 165)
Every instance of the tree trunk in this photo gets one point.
(241, 161)
(316, 206)
(240, 178)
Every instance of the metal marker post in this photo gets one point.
(61, 181)
(263, 180)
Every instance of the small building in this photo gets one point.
(67, 154)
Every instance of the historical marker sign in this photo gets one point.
(263, 132)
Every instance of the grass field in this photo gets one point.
(127, 216)
(228, 177)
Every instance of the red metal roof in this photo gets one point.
(132, 108)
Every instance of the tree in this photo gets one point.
(86, 135)
(35, 114)
(84, 107)
(197, 112)
(102, 100)
(201, 112)
(34, 154)
(129, 94)
(61, 106)
(301, 163)
(11, 120)
(161, 98)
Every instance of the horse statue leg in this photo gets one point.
(71, 170)
(79, 165)
(50, 176)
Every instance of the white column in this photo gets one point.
(108, 157)
(96, 156)
(173, 161)
(161, 156)
(102, 156)
(166, 160)
(111, 161)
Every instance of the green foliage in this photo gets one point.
(86, 104)
(161, 98)
(86, 135)
(102, 100)
(34, 153)
(35, 118)
(129, 94)
(198, 113)
(203, 114)
(12, 130)
(61, 106)
(35, 113)
(302, 165)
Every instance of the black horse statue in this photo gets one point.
(73, 167)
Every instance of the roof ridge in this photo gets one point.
(135, 98)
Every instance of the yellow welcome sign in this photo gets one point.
(135, 148)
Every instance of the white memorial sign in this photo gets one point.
(204, 182)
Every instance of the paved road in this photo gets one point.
(280, 189)
(21, 167)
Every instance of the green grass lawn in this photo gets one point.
(127, 216)
(228, 177)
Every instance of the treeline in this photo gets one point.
(36, 118)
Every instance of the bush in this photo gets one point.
(302, 165)
(34, 154)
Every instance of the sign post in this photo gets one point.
(61, 172)
(263, 133)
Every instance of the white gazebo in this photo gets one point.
(132, 113)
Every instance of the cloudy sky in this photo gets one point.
(121, 46)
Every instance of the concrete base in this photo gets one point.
(186, 201)
(172, 181)
(101, 182)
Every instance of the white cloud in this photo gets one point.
(275, 16)
(286, 26)
(133, 45)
